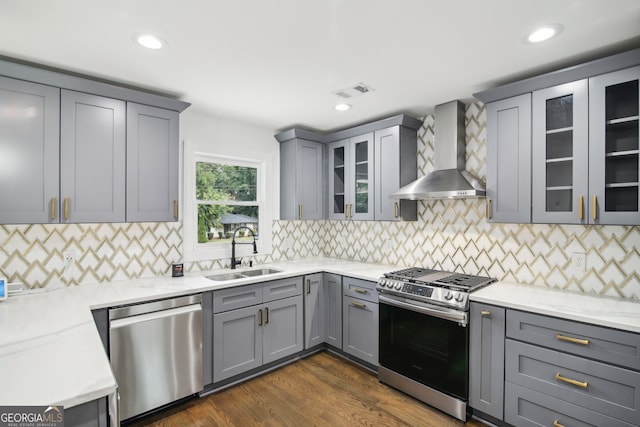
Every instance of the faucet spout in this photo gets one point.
(235, 262)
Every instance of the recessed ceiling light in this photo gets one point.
(150, 41)
(342, 107)
(544, 33)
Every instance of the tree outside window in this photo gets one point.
(226, 198)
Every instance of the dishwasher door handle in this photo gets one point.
(126, 321)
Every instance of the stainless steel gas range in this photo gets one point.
(424, 338)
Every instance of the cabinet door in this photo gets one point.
(395, 166)
(92, 158)
(339, 188)
(237, 341)
(614, 101)
(486, 359)
(29, 147)
(152, 164)
(310, 180)
(360, 329)
(560, 156)
(314, 313)
(509, 160)
(333, 309)
(361, 178)
(283, 331)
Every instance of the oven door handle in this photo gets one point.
(453, 315)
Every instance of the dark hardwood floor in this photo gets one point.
(320, 390)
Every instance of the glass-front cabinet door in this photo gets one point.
(559, 155)
(614, 101)
(351, 178)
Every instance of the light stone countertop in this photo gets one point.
(602, 311)
(50, 351)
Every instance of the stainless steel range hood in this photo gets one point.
(450, 179)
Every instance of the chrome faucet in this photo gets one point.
(235, 262)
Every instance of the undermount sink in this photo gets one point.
(243, 274)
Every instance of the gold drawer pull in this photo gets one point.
(308, 286)
(595, 207)
(488, 208)
(557, 424)
(260, 323)
(573, 340)
(581, 207)
(357, 304)
(66, 208)
(175, 209)
(300, 211)
(53, 208)
(572, 382)
(361, 291)
(485, 313)
(267, 311)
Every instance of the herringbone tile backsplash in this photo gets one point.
(449, 234)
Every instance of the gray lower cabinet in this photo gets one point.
(92, 158)
(262, 323)
(302, 179)
(486, 359)
(509, 160)
(396, 165)
(152, 163)
(314, 310)
(360, 319)
(29, 142)
(333, 309)
(89, 414)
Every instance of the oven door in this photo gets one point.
(428, 344)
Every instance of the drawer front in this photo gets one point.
(606, 389)
(240, 297)
(527, 408)
(595, 342)
(361, 289)
(284, 288)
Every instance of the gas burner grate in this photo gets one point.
(411, 273)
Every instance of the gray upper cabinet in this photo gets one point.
(559, 158)
(614, 102)
(396, 165)
(486, 359)
(152, 163)
(29, 141)
(351, 185)
(92, 158)
(302, 189)
(314, 312)
(509, 160)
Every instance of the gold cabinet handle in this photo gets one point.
(581, 207)
(573, 340)
(260, 322)
(53, 208)
(175, 209)
(395, 209)
(267, 311)
(361, 291)
(595, 207)
(308, 286)
(557, 424)
(488, 208)
(300, 211)
(346, 211)
(350, 211)
(572, 382)
(358, 305)
(485, 313)
(66, 208)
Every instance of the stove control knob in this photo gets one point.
(390, 284)
(448, 295)
(459, 297)
(398, 286)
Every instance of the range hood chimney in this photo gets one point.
(450, 180)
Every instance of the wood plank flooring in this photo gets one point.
(320, 390)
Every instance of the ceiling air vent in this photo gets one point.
(353, 91)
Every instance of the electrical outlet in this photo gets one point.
(579, 261)
(69, 258)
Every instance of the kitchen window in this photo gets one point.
(225, 194)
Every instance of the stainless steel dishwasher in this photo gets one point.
(156, 352)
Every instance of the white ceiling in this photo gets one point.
(276, 62)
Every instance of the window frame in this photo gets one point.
(194, 251)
